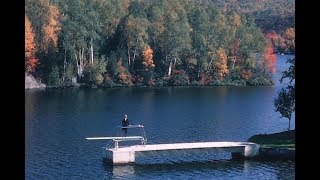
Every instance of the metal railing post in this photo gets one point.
(116, 144)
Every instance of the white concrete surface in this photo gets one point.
(127, 154)
(120, 138)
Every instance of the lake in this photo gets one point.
(57, 122)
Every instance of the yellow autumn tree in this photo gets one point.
(51, 28)
(235, 22)
(148, 58)
(220, 64)
(30, 47)
(289, 36)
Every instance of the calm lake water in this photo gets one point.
(57, 122)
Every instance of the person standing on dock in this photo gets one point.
(125, 123)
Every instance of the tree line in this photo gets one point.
(145, 43)
(276, 19)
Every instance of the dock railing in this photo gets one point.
(117, 139)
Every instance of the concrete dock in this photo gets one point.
(123, 155)
(128, 154)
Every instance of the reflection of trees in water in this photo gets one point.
(30, 102)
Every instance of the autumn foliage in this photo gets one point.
(146, 43)
(235, 52)
(246, 74)
(221, 63)
(123, 75)
(235, 47)
(52, 28)
(289, 36)
(148, 58)
(179, 77)
(236, 20)
(278, 42)
(30, 47)
(151, 82)
(270, 57)
(205, 79)
(272, 35)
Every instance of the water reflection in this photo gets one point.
(123, 171)
(118, 171)
(243, 169)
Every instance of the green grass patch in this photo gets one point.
(284, 139)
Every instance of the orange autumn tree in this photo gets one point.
(148, 58)
(277, 41)
(220, 64)
(270, 57)
(52, 28)
(30, 47)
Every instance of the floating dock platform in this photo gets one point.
(128, 154)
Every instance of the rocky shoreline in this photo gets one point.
(32, 83)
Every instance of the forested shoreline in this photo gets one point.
(108, 43)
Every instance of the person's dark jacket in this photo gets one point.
(125, 122)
